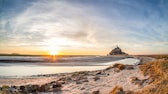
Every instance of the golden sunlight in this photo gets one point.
(53, 53)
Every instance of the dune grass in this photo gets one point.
(158, 74)
(158, 71)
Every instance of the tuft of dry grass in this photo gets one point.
(119, 66)
(158, 78)
(117, 90)
(158, 72)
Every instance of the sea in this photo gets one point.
(25, 66)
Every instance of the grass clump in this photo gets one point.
(119, 66)
(117, 90)
(158, 71)
(157, 81)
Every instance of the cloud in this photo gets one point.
(66, 24)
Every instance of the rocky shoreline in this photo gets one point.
(63, 82)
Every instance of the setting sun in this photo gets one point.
(53, 53)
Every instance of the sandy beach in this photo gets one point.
(85, 82)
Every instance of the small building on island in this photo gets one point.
(117, 51)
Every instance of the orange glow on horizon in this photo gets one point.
(54, 53)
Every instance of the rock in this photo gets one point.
(108, 68)
(96, 78)
(129, 67)
(96, 92)
(64, 79)
(133, 79)
(13, 90)
(98, 73)
(137, 81)
(44, 88)
(81, 81)
(117, 70)
(56, 89)
(28, 88)
(78, 82)
(85, 80)
(22, 89)
(61, 82)
(117, 51)
(35, 88)
(14, 87)
(82, 88)
(56, 84)
(68, 79)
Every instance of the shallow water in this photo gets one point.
(19, 71)
(27, 66)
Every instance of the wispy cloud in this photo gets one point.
(100, 25)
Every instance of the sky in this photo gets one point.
(83, 27)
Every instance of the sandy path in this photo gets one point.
(106, 82)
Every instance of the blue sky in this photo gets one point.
(137, 26)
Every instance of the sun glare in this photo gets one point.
(53, 53)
